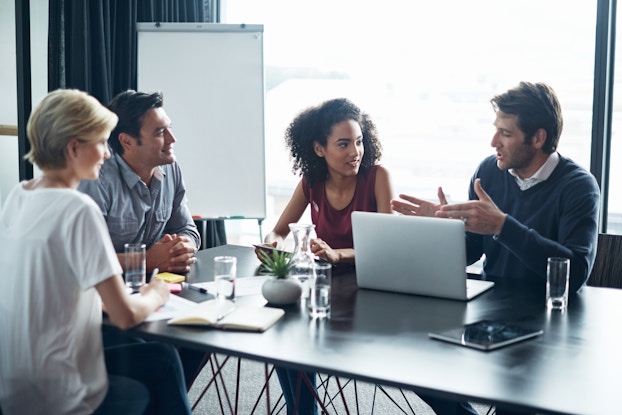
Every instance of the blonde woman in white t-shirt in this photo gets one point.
(58, 266)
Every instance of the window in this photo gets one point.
(425, 72)
(614, 206)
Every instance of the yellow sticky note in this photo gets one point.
(170, 277)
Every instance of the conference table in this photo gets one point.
(574, 367)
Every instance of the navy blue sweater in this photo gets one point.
(557, 217)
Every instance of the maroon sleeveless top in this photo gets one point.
(335, 226)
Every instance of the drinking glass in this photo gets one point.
(557, 279)
(224, 276)
(135, 267)
(319, 293)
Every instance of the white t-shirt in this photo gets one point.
(54, 248)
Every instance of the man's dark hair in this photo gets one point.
(536, 106)
(131, 107)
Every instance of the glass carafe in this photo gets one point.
(303, 257)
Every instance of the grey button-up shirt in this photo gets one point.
(137, 213)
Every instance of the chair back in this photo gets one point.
(607, 271)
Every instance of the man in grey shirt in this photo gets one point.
(141, 193)
(140, 189)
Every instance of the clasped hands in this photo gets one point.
(480, 216)
(172, 253)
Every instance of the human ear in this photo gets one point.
(318, 148)
(126, 140)
(539, 138)
(72, 148)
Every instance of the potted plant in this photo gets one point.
(280, 288)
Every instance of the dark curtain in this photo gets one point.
(92, 43)
(92, 47)
(172, 11)
(212, 232)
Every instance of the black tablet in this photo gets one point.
(487, 334)
(270, 249)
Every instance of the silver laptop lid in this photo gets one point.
(410, 254)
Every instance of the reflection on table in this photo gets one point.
(573, 367)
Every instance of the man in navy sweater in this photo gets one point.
(526, 203)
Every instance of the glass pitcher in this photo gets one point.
(303, 257)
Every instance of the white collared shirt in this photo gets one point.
(541, 175)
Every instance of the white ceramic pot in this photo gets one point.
(281, 291)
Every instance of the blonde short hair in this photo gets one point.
(61, 116)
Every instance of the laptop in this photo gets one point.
(413, 255)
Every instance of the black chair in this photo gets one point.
(607, 271)
(212, 232)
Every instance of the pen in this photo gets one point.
(195, 288)
(224, 314)
(154, 273)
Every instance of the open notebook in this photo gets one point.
(225, 314)
(413, 255)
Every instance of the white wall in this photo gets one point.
(8, 97)
(9, 170)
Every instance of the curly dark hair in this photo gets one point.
(316, 124)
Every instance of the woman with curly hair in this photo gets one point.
(335, 148)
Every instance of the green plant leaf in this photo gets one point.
(278, 264)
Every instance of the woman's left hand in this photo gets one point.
(322, 250)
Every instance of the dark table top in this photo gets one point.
(575, 367)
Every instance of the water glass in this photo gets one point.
(224, 276)
(135, 267)
(319, 292)
(557, 279)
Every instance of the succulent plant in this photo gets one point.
(277, 263)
